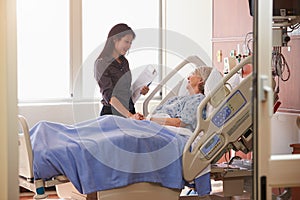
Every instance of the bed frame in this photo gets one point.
(142, 190)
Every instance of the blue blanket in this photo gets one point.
(108, 152)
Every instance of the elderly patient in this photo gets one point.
(181, 111)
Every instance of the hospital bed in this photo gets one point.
(227, 126)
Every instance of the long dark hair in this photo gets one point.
(117, 32)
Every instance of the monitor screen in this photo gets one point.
(281, 7)
(286, 7)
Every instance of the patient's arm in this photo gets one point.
(168, 121)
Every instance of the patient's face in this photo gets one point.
(194, 80)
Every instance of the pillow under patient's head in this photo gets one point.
(211, 83)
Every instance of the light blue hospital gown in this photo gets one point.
(183, 107)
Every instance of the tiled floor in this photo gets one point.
(27, 195)
(214, 197)
(30, 197)
(216, 190)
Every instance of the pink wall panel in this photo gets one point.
(232, 22)
(290, 90)
(225, 47)
(231, 18)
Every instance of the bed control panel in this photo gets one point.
(229, 109)
(212, 145)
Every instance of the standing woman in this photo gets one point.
(113, 74)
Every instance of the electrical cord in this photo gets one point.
(247, 42)
(294, 27)
(279, 67)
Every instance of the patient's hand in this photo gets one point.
(168, 121)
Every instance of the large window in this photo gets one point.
(99, 17)
(47, 40)
(43, 49)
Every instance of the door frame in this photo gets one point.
(270, 171)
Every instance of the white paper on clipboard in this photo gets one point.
(144, 79)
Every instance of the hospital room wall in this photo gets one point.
(285, 127)
(192, 20)
(286, 123)
(231, 23)
(291, 54)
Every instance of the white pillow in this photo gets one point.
(212, 81)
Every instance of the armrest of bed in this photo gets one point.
(25, 149)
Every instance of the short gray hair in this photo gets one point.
(203, 72)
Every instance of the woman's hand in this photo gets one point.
(137, 116)
(144, 90)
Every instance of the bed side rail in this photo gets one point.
(25, 150)
(229, 120)
(191, 59)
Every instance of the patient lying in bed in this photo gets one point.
(181, 111)
(111, 151)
